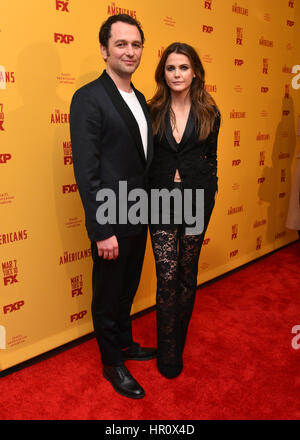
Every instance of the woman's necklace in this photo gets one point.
(176, 133)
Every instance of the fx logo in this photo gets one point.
(13, 307)
(237, 138)
(10, 279)
(77, 292)
(239, 36)
(207, 29)
(265, 66)
(77, 316)
(258, 243)
(234, 233)
(63, 38)
(262, 156)
(5, 156)
(69, 188)
(236, 162)
(62, 5)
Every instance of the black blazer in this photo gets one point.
(107, 147)
(195, 160)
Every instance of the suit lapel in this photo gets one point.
(169, 134)
(124, 111)
(188, 129)
(186, 135)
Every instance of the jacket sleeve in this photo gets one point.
(85, 127)
(212, 143)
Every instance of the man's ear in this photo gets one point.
(104, 52)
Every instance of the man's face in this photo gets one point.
(124, 50)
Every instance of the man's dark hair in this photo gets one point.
(105, 30)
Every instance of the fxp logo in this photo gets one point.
(77, 316)
(207, 29)
(13, 307)
(4, 157)
(63, 38)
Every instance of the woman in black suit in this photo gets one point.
(186, 123)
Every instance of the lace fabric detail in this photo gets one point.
(211, 144)
(176, 257)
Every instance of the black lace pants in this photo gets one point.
(176, 257)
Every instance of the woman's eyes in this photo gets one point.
(170, 68)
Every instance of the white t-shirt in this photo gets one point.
(137, 111)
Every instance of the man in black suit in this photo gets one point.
(111, 142)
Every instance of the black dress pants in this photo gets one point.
(115, 283)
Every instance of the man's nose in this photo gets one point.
(129, 50)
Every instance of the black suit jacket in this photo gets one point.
(107, 148)
(195, 160)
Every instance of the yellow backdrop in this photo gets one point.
(48, 50)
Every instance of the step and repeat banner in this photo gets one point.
(49, 49)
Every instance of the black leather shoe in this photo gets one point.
(137, 353)
(123, 382)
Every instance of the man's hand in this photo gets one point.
(109, 248)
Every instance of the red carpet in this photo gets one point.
(238, 363)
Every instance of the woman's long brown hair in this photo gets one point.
(201, 101)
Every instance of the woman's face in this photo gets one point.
(179, 73)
